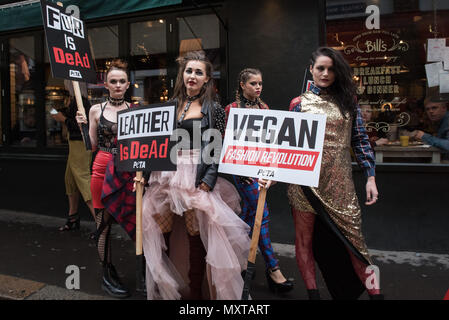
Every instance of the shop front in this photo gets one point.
(388, 53)
(150, 35)
(397, 51)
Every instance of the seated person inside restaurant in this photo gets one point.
(437, 111)
(376, 138)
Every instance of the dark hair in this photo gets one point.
(244, 76)
(436, 99)
(207, 91)
(117, 64)
(343, 89)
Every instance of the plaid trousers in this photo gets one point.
(250, 195)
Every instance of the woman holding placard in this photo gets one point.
(111, 196)
(330, 214)
(249, 88)
(190, 226)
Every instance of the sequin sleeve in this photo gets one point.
(361, 146)
(295, 104)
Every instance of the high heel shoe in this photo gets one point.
(275, 287)
(112, 284)
(73, 222)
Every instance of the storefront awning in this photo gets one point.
(25, 14)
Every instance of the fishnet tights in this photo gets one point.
(165, 222)
(303, 246)
(103, 221)
(304, 222)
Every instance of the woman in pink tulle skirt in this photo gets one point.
(194, 242)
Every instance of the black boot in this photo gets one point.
(197, 267)
(141, 285)
(314, 294)
(112, 284)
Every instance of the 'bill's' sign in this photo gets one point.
(276, 145)
(68, 46)
(143, 138)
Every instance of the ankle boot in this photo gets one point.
(112, 284)
(141, 285)
(197, 267)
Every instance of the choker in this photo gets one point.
(116, 102)
(192, 98)
(249, 102)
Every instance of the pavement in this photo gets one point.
(37, 262)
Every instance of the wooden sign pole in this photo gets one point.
(79, 103)
(254, 242)
(139, 248)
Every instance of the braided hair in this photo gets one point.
(243, 77)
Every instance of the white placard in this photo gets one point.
(276, 145)
(435, 49)
(444, 82)
(446, 58)
(433, 73)
(146, 122)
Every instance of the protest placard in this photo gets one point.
(143, 138)
(275, 145)
(68, 46)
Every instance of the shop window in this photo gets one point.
(104, 42)
(56, 100)
(202, 32)
(24, 111)
(148, 61)
(389, 65)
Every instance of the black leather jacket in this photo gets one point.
(214, 114)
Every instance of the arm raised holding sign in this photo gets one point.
(202, 204)
(249, 86)
(111, 190)
(330, 214)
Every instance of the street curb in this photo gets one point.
(13, 288)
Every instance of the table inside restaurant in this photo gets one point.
(413, 150)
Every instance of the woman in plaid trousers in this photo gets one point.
(249, 88)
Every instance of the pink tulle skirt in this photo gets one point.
(223, 233)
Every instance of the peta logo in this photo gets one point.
(266, 173)
(75, 74)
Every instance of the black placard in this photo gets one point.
(143, 138)
(68, 46)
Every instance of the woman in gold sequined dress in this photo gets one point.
(329, 216)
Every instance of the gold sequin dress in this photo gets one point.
(336, 190)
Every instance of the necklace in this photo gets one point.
(249, 103)
(190, 99)
(116, 102)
